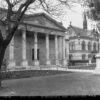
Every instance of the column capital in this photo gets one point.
(56, 35)
(35, 33)
(35, 38)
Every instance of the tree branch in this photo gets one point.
(16, 23)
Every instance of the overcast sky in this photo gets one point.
(75, 16)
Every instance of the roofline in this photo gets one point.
(43, 14)
(49, 18)
(23, 23)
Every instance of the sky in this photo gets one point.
(75, 16)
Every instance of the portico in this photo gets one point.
(40, 45)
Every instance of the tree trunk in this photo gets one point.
(2, 53)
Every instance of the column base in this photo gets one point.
(57, 62)
(24, 63)
(48, 62)
(36, 62)
(11, 64)
(64, 62)
(90, 62)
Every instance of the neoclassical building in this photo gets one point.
(38, 42)
(83, 43)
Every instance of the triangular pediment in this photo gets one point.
(42, 20)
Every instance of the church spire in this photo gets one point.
(84, 21)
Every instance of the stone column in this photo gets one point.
(67, 50)
(64, 47)
(11, 55)
(36, 62)
(24, 58)
(47, 50)
(56, 50)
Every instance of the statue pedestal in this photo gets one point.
(11, 65)
(36, 62)
(90, 62)
(97, 69)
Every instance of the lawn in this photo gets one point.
(29, 73)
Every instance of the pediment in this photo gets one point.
(43, 21)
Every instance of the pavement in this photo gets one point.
(70, 84)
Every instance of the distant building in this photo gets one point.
(83, 43)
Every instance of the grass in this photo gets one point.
(29, 73)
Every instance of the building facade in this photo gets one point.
(39, 41)
(83, 43)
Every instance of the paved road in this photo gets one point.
(55, 85)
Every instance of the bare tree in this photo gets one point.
(16, 9)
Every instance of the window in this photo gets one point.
(83, 57)
(89, 55)
(70, 56)
(94, 46)
(89, 46)
(71, 45)
(83, 45)
(33, 54)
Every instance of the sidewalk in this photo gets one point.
(80, 70)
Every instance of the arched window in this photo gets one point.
(94, 46)
(89, 56)
(70, 56)
(73, 45)
(83, 57)
(83, 45)
(70, 45)
(89, 46)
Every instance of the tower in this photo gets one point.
(84, 21)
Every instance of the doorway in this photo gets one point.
(33, 54)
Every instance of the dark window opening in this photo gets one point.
(33, 54)
(83, 57)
